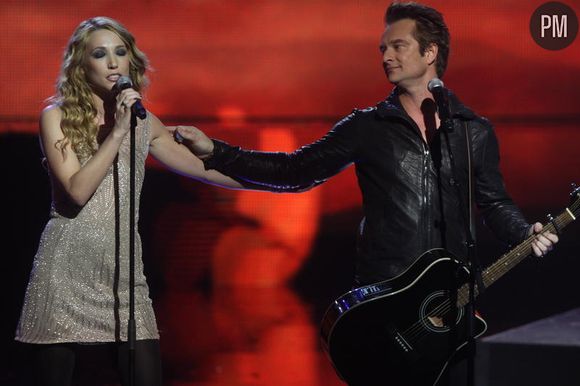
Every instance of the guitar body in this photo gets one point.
(397, 332)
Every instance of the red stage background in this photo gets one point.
(237, 276)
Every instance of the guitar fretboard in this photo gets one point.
(508, 261)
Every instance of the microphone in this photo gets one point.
(125, 82)
(440, 94)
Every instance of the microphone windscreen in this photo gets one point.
(123, 82)
(435, 83)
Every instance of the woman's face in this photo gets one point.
(107, 59)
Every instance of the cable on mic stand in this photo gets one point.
(132, 328)
(441, 96)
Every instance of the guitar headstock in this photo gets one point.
(575, 199)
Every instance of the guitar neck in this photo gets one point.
(508, 261)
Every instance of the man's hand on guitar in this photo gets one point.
(544, 242)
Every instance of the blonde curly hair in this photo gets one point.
(73, 92)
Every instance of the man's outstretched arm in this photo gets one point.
(305, 167)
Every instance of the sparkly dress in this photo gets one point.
(79, 285)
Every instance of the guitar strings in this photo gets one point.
(523, 250)
(416, 330)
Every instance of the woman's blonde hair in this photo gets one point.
(73, 92)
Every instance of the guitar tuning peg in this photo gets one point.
(575, 193)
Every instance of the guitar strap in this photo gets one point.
(469, 177)
(476, 266)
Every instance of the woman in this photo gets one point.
(78, 291)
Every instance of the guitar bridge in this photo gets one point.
(401, 343)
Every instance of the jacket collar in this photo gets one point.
(391, 107)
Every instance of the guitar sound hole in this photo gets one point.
(435, 312)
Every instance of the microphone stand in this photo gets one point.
(472, 259)
(131, 327)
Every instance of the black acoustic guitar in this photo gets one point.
(397, 332)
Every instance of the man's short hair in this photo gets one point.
(430, 28)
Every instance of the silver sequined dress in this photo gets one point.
(79, 286)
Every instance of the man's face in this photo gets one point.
(402, 61)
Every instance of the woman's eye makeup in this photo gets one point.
(98, 54)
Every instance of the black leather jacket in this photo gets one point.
(409, 199)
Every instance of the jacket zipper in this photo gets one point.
(425, 219)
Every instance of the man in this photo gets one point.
(408, 184)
